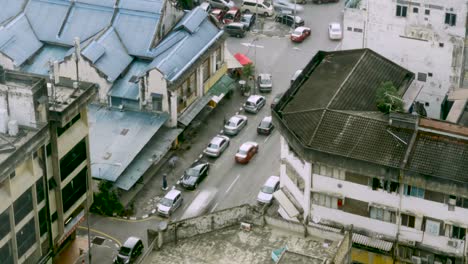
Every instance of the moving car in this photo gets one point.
(261, 7)
(290, 20)
(246, 152)
(300, 33)
(235, 124)
(170, 202)
(266, 126)
(254, 103)
(129, 251)
(265, 195)
(217, 145)
(222, 4)
(283, 5)
(276, 100)
(233, 15)
(235, 30)
(195, 175)
(218, 14)
(248, 20)
(265, 83)
(334, 31)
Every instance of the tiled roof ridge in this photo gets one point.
(303, 111)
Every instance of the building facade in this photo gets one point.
(399, 180)
(430, 36)
(43, 173)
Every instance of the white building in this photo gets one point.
(399, 180)
(425, 36)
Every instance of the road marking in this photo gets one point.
(267, 138)
(232, 184)
(102, 234)
(214, 207)
(296, 48)
(252, 45)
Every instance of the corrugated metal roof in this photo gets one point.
(372, 242)
(193, 110)
(83, 21)
(152, 153)
(153, 6)
(108, 54)
(172, 61)
(192, 20)
(10, 8)
(46, 17)
(123, 88)
(117, 137)
(17, 40)
(40, 63)
(108, 3)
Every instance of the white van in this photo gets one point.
(262, 7)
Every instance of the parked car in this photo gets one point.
(218, 14)
(271, 185)
(170, 202)
(276, 100)
(324, 1)
(254, 103)
(334, 31)
(283, 5)
(195, 175)
(233, 15)
(248, 20)
(264, 82)
(235, 124)
(246, 152)
(222, 4)
(129, 251)
(295, 75)
(235, 30)
(266, 126)
(300, 33)
(217, 145)
(261, 7)
(206, 6)
(290, 20)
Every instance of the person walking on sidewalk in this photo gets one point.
(164, 184)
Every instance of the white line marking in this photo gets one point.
(178, 182)
(296, 48)
(214, 207)
(221, 131)
(267, 138)
(240, 109)
(201, 156)
(232, 184)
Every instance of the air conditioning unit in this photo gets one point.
(452, 201)
(416, 260)
(452, 243)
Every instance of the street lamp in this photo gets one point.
(118, 164)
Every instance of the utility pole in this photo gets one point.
(294, 16)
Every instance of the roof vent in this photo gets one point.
(399, 120)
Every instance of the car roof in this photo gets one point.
(237, 117)
(302, 28)
(233, 10)
(267, 119)
(254, 98)
(172, 194)
(247, 15)
(246, 146)
(131, 242)
(265, 75)
(271, 181)
(216, 140)
(335, 25)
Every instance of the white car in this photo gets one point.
(265, 83)
(222, 4)
(170, 202)
(282, 5)
(265, 195)
(235, 125)
(217, 145)
(254, 103)
(334, 31)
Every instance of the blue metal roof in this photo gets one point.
(117, 137)
(83, 21)
(17, 40)
(108, 3)
(123, 88)
(40, 63)
(46, 17)
(151, 154)
(152, 6)
(108, 54)
(10, 8)
(190, 38)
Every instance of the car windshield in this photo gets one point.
(266, 4)
(297, 32)
(166, 202)
(231, 124)
(250, 103)
(193, 172)
(336, 30)
(264, 124)
(213, 146)
(229, 16)
(125, 251)
(265, 81)
(267, 189)
(244, 19)
(242, 152)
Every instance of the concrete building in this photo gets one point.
(425, 36)
(44, 161)
(396, 178)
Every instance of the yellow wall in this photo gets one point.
(215, 77)
(367, 257)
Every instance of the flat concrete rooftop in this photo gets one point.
(232, 245)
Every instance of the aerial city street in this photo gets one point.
(233, 131)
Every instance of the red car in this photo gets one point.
(246, 152)
(233, 15)
(218, 14)
(300, 33)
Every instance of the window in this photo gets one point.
(415, 10)
(219, 59)
(157, 101)
(185, 88)
(441, 44)
(12, 175)
(427, 12)
(407, 220)
(61, 130)
(192, 88)
(422, 77)
(49, 149)
(73, 159)
(43, 221)
(429, 74)
(432, 227)
(413, 191)
(450, 19)
(26, 237)
(6, 253)
(40, 192)
(401, 10)
(462, 202)
(74, 189)
(389, 186)
(349, 28)
(54, 217)
(4, 223)
(327, 201)
(358, 30)
(206, 69)
(23, 206)
(382, 214)
(458, 232)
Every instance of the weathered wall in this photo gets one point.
(6, 62)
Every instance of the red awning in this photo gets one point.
(244, 60)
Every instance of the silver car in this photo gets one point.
(235, 125)
(217, 145)
(265, 83)
(171, 201)
(265, 195)
(254, 103)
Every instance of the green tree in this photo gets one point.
(387, 98)
(106, 201)
(248, 71)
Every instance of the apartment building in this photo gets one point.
(43, 164)
(399, 180)
(425, 36)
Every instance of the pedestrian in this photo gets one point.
(164, 185)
